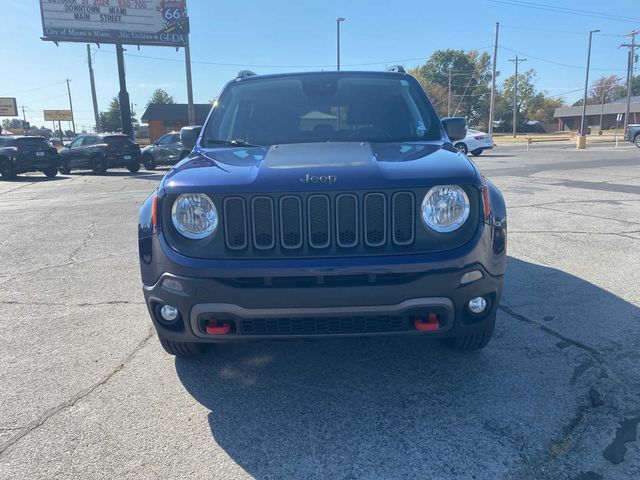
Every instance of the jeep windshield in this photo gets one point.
(322, 108)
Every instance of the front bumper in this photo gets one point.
(343, 306)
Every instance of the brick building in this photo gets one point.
(163, 118)
(569, 117)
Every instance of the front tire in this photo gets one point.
(637, 141)
(50, 172)
(462, 148)
(64, 169)
(477, 152)
(473, 338)
(7, 170)
(181, 349)
(133, 167)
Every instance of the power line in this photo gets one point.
(39, 88)
(257, 65)
(565, 10)
(555, 31)
(560, 63)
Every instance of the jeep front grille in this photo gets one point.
(319, 223)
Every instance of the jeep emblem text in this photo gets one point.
(319, 179)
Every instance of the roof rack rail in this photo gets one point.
(244, 74)
(396, 68)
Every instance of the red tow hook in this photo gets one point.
(432, 323)
(217, 328)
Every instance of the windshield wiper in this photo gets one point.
(233, 143)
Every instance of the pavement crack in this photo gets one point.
(601, 217)
(65, 264)
(577, 232)
(549, 331)
(83, 304)
(52, 412)
(90, 233)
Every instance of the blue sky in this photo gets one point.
(300, 35)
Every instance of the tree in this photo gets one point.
(436, 93)
(470, 77)
(621, 89)
(543, 108)
(161, 97)
(110, 120)
(532, 103)
(12, 123)
(603, 89)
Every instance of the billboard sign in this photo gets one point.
(58, 116)
(8, 107)
(134, 22)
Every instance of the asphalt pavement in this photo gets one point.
(87, 392)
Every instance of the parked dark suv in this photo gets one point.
(100, 152)
(325, 204)
(632, 134)
(167, 150)
(20, 154)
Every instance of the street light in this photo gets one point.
(338, 20)
(586, 87)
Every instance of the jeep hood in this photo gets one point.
(320, 167)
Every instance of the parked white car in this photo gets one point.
(475, 143)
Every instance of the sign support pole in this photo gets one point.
(73, 122)
(190, 108)
(123, 96)
(60, 130)
(94, 99)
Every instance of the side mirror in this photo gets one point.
(189, 136)
(455, 128)
(66, 145)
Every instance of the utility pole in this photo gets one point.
(338, 20)
(604, 88)
(602, 105)
(492, 104)
(449, 95)
(73, 122)
(94, 98)
(187, 60)
(583, 126)
(123, 95)
(516, 61)
(630, 62)
(24, 120)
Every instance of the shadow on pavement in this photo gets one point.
(35, 179)
(407, 407)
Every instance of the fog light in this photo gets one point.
(169, 313)
(477, 305)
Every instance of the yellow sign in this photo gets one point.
(8, 107)
(58, 115)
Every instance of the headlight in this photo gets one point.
(194, 215)
(445, 208)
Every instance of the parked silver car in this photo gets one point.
(167, 150)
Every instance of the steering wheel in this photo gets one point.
(370, 132)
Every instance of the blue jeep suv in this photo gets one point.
(327, 204)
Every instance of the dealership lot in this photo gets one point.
(87, 391)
